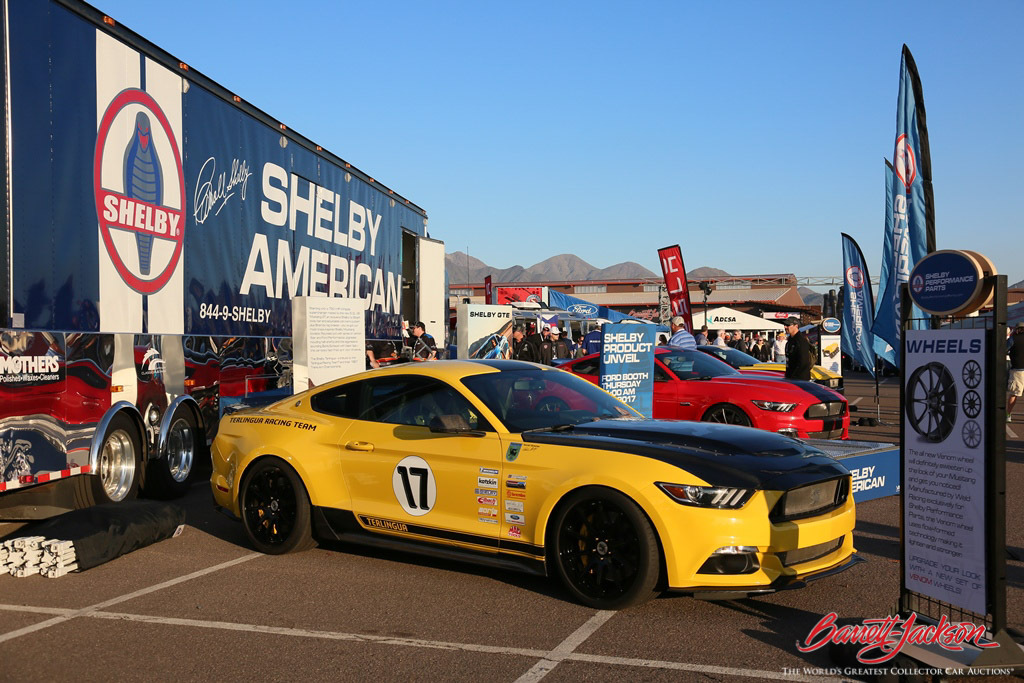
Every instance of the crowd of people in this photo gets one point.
(549, 344)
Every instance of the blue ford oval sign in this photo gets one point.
(830, 325)
(945, 282)
(583, 309)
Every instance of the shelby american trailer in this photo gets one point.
(156, 228)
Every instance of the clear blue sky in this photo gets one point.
(750, 133)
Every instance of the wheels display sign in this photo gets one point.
(944, 466)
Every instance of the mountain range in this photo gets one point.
(464, 269)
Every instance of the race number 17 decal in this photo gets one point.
(414, 485)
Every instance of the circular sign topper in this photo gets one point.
(830, 325)
(947, 282)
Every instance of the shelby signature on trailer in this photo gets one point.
(214, 191)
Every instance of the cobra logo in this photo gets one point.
(905, 164)
(139, 188)
(917, 284)
(855, 276)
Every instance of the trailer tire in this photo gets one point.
(119, 468)
(171, 474)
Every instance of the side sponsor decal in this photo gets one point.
(487, 512)
(514, 484)
(486, 500)
(515, 518)
(487, 520)
(514, 505)
(513, 451)
(520, 495)
(489, 471)
(486, 492)
(487, 482)
(514, 532)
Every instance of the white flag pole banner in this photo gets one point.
(944, 466)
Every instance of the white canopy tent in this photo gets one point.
(724, 318)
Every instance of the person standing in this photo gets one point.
(680, 337)
(423, 346)
(544, 351)
(720, 339)
(739, 343)
(702, 337)
(592, 341)
(522, 349)
(779, 348)
(1015, 379)
(798, 352)
(559, 347)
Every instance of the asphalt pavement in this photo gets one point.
(205, 606)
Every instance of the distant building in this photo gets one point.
(768, 296)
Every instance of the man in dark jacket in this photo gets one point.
(559, 347)
(522, 349)
(798, 352)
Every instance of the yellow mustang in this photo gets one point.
(526, 467)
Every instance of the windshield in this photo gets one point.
(695, 365)
(733, 357)
(541, 399)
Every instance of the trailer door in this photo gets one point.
(431, 295)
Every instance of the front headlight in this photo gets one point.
(722, 497)
(775, 406)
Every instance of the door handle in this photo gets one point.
(359, 446)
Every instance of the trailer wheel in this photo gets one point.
(170, 475)
(120, 463)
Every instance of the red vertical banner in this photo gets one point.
(675, 279)
(488, 291)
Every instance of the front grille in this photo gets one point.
(811, 500)
(820, 411)
(830, 434)
(801, 555)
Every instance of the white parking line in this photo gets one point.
(88, 611)
(564, 651)
(856, 401)
(1010, 432)
(566, 647)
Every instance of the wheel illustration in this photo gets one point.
(931, 401)
(726, 414)
(605, 550)
(971, 404)
(971, 434)
(119, 464)
(971, 374)
(170, 476)
(275, 508)
(552, 404)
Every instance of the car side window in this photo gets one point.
(661, 374)
(401, 400)
(591, 366)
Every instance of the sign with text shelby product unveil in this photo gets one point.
(627, 364)
(944, 465)
(329, 340)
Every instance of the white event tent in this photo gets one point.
(724, 318)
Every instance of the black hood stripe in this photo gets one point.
(753, 459)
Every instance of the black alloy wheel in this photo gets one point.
(275, 508)
(931, 399)
(725, 413)
(605, 550)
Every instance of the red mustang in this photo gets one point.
(690, 385)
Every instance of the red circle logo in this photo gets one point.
(855, 276)
(905, 164)
(136, 170)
